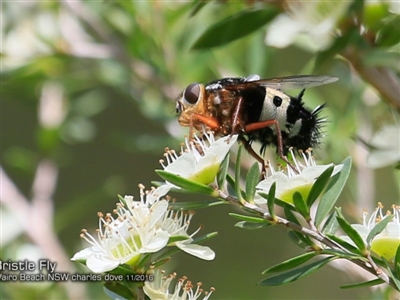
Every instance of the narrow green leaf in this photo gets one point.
(199, 4)
(250, 225)
(333, 191)
(393, 278)
(284, 204)
(237, 174)
(194, 205)
(344, 244)
(397, 261)
(271, 200)
(231, 28)
(248, 219)
(296, 274)
(378, 228)
(319, 185)
(223, 170)
(160, 262)
(363, 284)
(252, 179)
(296, 240)
(304, 239)
(301, 206)
(174, 239)
(231, 185)
(186, 184)
(352, 234)
(290, 263)
(342, 254)
(331, 225)
(290, 216)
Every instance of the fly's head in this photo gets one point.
(189, 102)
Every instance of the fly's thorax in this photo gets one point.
(275, 107)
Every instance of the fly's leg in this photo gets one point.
(249, 149)
(212, 123)
(268, 123)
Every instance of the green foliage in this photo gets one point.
(295, 274)
(333, 191)
(231, 28)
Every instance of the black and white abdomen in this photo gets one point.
(300, 128)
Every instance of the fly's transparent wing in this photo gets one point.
(290, 82)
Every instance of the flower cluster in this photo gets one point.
(200, 158)
(385, 243)
(140, 227)
(184, 289)
(289, 181)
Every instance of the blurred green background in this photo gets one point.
(87, 108)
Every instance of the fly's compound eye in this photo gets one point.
(192, 93)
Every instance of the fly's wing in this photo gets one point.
(287, 83)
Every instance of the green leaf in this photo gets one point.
(290, 263)
(250, 225)
(363, 284)
(199, 4)
(301, 206)
(160, 262)
(294, 237)
(303, 238)
(252, 179)
(271, 200)
(186, 184)
(378, 228)
(283, 204)
(248, 219)
(352, 234)
(177, 238)
(319, 185)
(331, 225)
(393, 278)
(290, 216)
(296, 274)
(231, 185)
(397, 261)
(223, 170)
(238, 191)
(194, 205)
(332, 192)
(342, 254)
(344, 244)
(235, 26)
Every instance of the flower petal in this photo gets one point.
(101, 263)
(199, 251)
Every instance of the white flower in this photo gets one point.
(289, 182)
(133, 232)
(177, 224)
(158, 289)
(385, 243)
(200, 159)
(386, 147)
